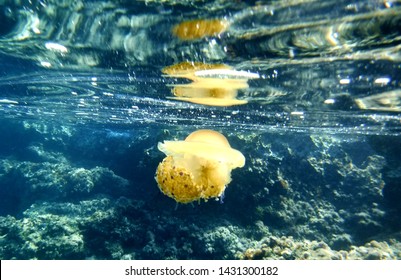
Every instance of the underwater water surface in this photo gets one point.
(307, 91)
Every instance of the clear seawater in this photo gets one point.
(84, 101)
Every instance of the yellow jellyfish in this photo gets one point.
(199, 28)
(187, 69)
(198, 167)
(212, 84)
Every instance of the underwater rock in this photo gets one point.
(23, 183)
(10, 238)
(228, 239)
(311, 186)
(44, 236)
(55, 136)
(103, 228)
(287, 248)
(50, 230)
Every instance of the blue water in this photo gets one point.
(84, 101)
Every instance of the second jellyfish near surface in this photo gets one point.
(198, 167)
(211, 84)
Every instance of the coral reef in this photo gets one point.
(286, 248)
(321, 188)
(24, 183)
(302, 196)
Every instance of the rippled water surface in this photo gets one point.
(322, 65)
(309, 91)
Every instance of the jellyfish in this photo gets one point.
(224, 94)
(198, 167)
(212, 84)
(200, 28)
(187, 69)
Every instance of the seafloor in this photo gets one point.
(89, 193)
